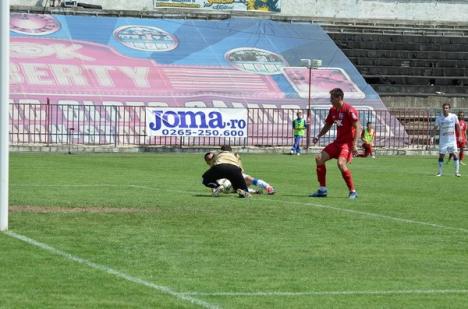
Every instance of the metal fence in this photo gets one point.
(51, 124)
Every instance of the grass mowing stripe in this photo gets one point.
(327, 293)
(111, 271)
(370, 214)
(363, 213)
(187, 296)
(101, 186)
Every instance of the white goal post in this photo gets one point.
(4, 102)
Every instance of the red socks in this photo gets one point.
(321, 175)
(348, 178)
(322, 172)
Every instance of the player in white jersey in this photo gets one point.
(448, 127)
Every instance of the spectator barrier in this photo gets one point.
(53, 124)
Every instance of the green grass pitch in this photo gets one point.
(140, 231)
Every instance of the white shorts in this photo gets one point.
(448, 148)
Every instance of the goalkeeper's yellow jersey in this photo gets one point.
(227, 157)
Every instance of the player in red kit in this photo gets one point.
(461, 142)
(343, 148)
(461, 137)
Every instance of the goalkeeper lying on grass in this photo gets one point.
(225, 185)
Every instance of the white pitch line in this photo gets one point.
(70, 185)
(106, 269)
(371, 214)
(99, 186)
(357, 212)
(327, 293)
(187, 296)
(305, 293)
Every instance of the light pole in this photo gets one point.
(310, 64)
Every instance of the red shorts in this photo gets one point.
(335, 151)
(461, 145)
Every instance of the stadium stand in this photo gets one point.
(407, 59)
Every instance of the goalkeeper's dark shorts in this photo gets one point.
(229, 171)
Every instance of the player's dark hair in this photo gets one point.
(207, 156)
(337, 93)
(226, 148)
(446, 104)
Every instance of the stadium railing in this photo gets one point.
(93, 125)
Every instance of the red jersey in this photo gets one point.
(462, 124)
(344, 118)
